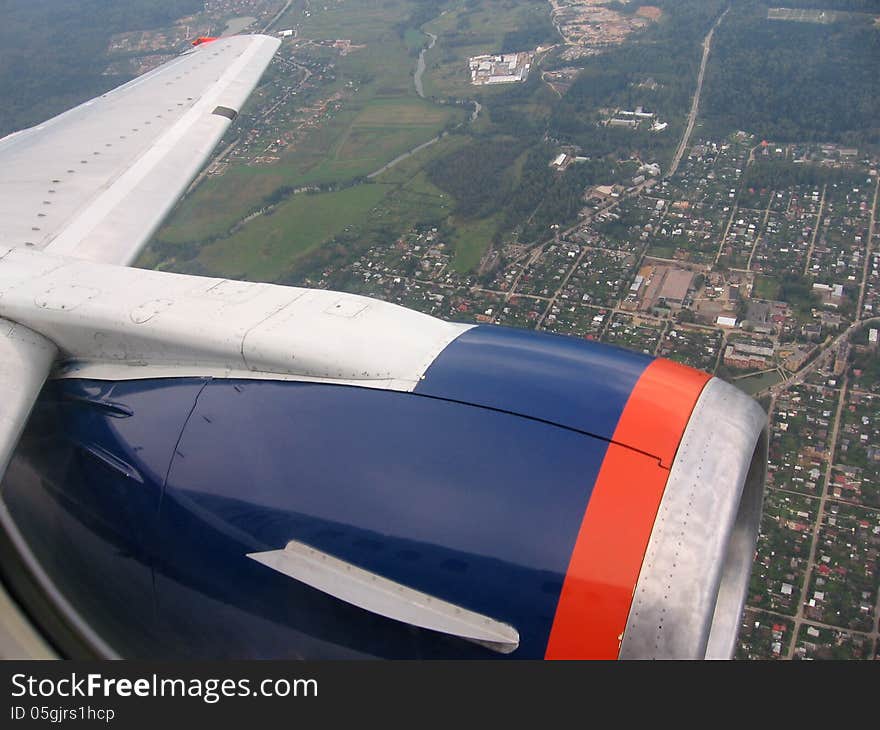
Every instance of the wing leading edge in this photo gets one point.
(96, 181)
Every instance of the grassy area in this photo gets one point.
(406, 169)
(765, 287)
(380, 117)
(382, 130)
(361, 22)
(412, 199)
(353, 144)
(471, 239)
(375, 118)
(218, 203)
(269, 246)
(661, 252)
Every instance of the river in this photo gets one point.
(420, 71)
(417, 78)
(420, 67)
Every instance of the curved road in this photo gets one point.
(824, 349)
(401, 158)
(695, 105)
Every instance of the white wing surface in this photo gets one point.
(96, 181)
(25, 360)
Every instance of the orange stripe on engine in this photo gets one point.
(607, 557)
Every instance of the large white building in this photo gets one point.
(501, 69)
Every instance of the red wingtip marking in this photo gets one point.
(607, 558)
(203, 39)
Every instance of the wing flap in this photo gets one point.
(96, 181)
(384, 597)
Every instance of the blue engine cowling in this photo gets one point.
(142, 499)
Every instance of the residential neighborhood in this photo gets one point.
(752, 259)
(693, 268)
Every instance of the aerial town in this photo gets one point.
(589, 25)
(689, 268)
(775, 288)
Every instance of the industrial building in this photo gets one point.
(502, 69)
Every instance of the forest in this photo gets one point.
(667, 54)
(481, 177)
(539, 32)
(850, 6)
(778, 174)
(474, 176)
(52, 53)
(796, 81)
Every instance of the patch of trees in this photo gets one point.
(520, 110)
(668, 52)
(544, 197)
(852, 6)
(623, 8)
(783, 174)
(868, 363)
(794, 81)
(538, 31)
(798, 292)
(422, 12)
(52, 54)
(474, 176)
(481, 178)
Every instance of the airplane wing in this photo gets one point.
(25, 360)
(402, 481)
(96, 181)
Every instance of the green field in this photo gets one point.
(353, 145)
(218, 204)
(361, 21)
(406, 169)
(377, 118)
(765, 287)
(381, 118)
(269, 246)
(471, 240)
(661, 251)
(360, 141)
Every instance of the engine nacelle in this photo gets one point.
(533, 496)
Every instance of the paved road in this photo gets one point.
(871, 232)
(277, 16)
(799, 616)
(410, 153)
(801, 374)
(695, 105)
(816, 233)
